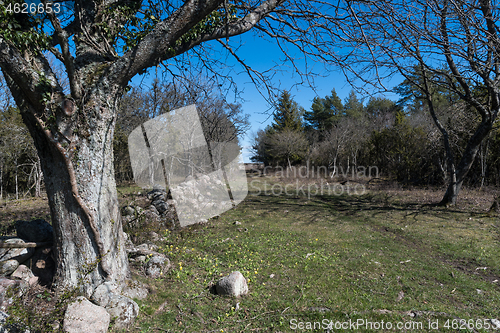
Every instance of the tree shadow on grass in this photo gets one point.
(373, 205)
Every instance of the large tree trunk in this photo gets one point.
(458, 176)
(79, 180)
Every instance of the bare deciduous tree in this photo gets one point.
(451, 44)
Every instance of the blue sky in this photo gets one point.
(263, 55)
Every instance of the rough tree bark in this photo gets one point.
(76, 159)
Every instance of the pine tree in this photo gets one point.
(288, 114)
(353, 107)
(325, 112)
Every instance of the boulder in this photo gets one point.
(153, 236)
(157, 194)
(83, 316)
(8, 267)
(122, 310)
(157, 265)
(160, 205)
(20, 254)
(35, 231)
(163, 206)
(25, 274)
(128, 241)
(142, 250)
(104, 292)
(234, 284)
(151, 215)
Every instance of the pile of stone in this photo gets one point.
(110, 303)
(154, 264)
(161, 212)
(20, 257)
(30, 250)
(196, 199)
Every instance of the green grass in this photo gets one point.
(336, 258)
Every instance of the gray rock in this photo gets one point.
(8, 267)
(35, 231)
(145, 247)
(160, 205)
(83, 316)
(157, 194)
(128, 241)
(157, 265)
(104, 292)
(135, 289)
(141, 258)
(151, 215)
(123, 311)
(128, 211)
(234, 284)
(19, 254)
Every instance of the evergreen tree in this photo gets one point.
(325, 112)
(262, 146)
(288, 114)
(353, 107)
(381, 106)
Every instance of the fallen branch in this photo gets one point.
(4, 245)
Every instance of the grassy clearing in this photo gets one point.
(379, 256)
(382, 256)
